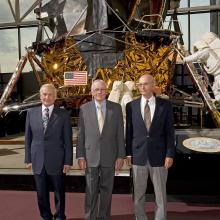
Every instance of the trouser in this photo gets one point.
(42, 185)
(158, 177)
(99, 185)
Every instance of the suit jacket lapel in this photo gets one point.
(138, 107)
(39, 118)
(108, 114)
(94, 118)
(157, 112)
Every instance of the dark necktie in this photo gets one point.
(45, 118)
(147, 116)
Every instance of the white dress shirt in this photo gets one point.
(50, 109)
(103, 107)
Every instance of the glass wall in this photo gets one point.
(24, 7)
(8, 50)
(199, 25)
(184, 3)
(28, 35)
(5, 12)
(194, 3)
(18, 29)
(194, 26)
(184, 27)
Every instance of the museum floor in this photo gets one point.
(185, 200)
(22, 205)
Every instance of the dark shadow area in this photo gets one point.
(4, 152)
(73, 183)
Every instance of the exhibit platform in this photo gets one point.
(193, 172)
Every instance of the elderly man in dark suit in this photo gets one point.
(48, 151)
(100, 150)
(149, 145)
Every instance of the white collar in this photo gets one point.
(150, 100)
(102, 104)
(51, 107)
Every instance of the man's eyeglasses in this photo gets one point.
(99, 90)
(143, 84)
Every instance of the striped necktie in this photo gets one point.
(147, 115)
(45, 118)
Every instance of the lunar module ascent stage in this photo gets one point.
(118, 41)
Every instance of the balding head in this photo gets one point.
(146, 85)
(146, 77)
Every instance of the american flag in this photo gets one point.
(75, 78)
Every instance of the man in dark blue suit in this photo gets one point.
(48, 151)
(149, 145)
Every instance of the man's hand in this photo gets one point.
(119, 163)
(66, 168)
(129, 161)
(82, 164)
(168, 162)
(29, 166)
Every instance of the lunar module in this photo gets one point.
(118, 41)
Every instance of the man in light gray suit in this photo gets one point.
(100, 150)
(48, 151)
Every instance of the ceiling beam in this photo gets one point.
(17, 11)
(195, 10)
(9, 25)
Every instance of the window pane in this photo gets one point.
(8, 50)
(166, 23)
(28, 35)
(183, 3)
(183, 22)
(5, 12)
(194, 3)
(30, 17)
(24, 7)
(200, 24)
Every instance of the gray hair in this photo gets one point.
(97, 81)
(50, 87)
